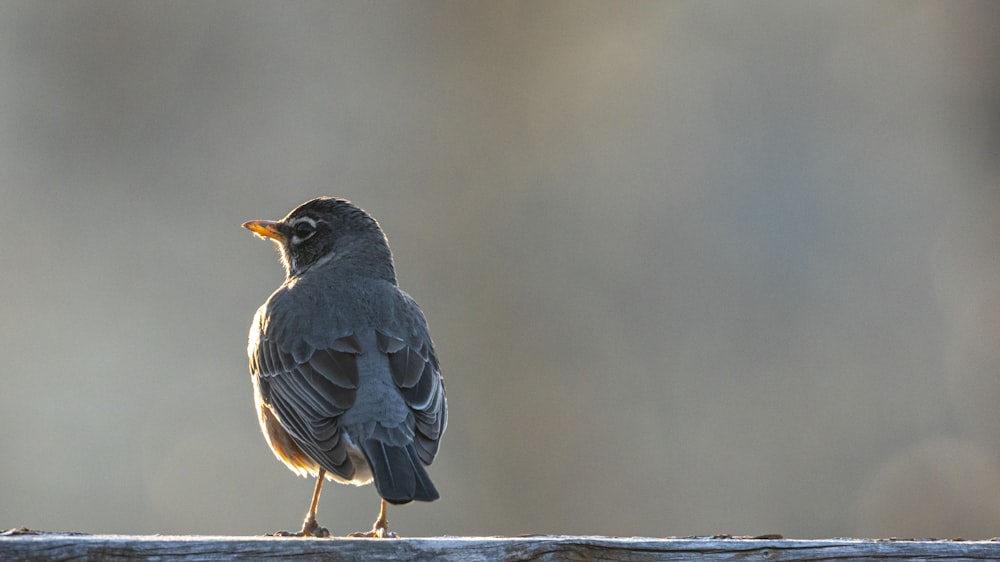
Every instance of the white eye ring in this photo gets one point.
(304, 228)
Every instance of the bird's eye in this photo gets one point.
(304, 230)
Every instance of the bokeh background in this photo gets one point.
(691, 267)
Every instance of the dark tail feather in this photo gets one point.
(398, 473)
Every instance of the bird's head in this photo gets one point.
(328, 230)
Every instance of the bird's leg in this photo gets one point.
(310, 528)
(381, 526)
(380, 530)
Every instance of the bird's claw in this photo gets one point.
(319, 532)
(377, 532)
(309, 529)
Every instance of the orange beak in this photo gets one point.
(265, 229)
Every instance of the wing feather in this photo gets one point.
(309, 390)
(415, 371)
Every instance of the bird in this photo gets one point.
(346, 381)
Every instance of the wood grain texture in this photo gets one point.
(54, 546)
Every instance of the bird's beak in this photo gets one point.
(265, 229)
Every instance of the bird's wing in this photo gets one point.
(417, 374)
(309, 388)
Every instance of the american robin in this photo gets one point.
(345, 377)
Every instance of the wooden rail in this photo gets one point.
(20, 545)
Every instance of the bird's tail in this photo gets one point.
(399, 475)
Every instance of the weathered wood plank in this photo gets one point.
(480, 549)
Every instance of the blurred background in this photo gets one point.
(691, 267)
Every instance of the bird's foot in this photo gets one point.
(375, 534)
(309, 529)
(320, 532)
(379, 531)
